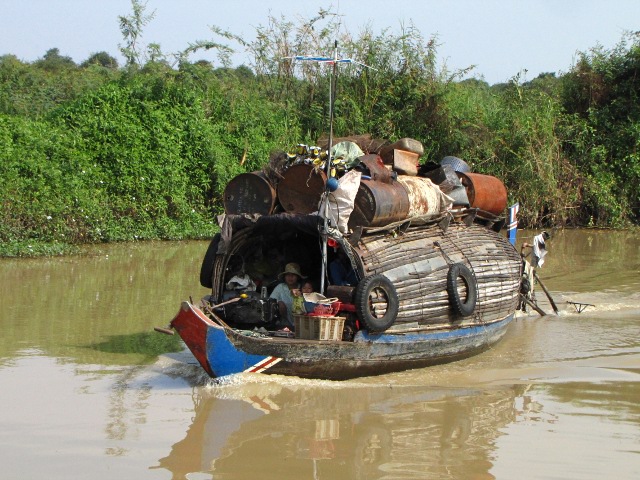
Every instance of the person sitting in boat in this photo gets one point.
(308, 287)
(285, 293)
(341, 271)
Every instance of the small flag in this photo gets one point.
(513, 222)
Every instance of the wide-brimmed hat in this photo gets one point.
(292, 268)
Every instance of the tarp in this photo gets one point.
(230, 224)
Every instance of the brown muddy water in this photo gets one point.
(88, 390)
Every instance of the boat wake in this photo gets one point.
(258, 380)
(184, 365)
(588, 303)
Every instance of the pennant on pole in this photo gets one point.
(513, 222)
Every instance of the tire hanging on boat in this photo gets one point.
(376, 301)
(460, 278)
(206, 270)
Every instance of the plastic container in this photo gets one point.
(459, 196)
(313, 308)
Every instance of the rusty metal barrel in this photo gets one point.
(424, 197)
(378, 204)
(301, 188)
(485, 192)
(249, 193)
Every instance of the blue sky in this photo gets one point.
(500, 37)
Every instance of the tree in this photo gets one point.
(100, 58)
(53, 61)
(131, 27)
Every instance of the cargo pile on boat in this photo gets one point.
(392, 184)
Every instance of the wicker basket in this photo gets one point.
(316, 327)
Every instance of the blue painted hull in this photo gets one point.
(223, 351)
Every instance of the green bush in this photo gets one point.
(99, 154)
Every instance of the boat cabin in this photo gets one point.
(439, 273)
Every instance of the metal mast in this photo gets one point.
(334, 61)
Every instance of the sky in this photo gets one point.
(502, 38)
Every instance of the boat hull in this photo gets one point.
(223, 351)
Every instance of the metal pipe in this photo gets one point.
(323, 236)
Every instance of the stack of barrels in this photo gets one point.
(393, 187)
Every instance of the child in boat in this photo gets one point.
(285, 293)
(307, 287)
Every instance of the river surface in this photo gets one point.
(88, 390)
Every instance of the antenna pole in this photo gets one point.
(325, 205)
(332, 91)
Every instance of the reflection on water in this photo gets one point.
(262, 428)
(85, 394)
(306, 431)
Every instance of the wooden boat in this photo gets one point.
(432, 284)
(427, 294)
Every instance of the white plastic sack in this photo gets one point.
(341, 201)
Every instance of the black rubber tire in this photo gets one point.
(377, 285)
(462, 308)
(206, 270)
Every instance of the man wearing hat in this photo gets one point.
(286, 291)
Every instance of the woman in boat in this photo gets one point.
(285, 293)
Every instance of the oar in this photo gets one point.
(534, 306)
(166, 330)
(553, 304)
(216, 317)
(233, 300)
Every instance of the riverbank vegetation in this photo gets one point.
(97, 152)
